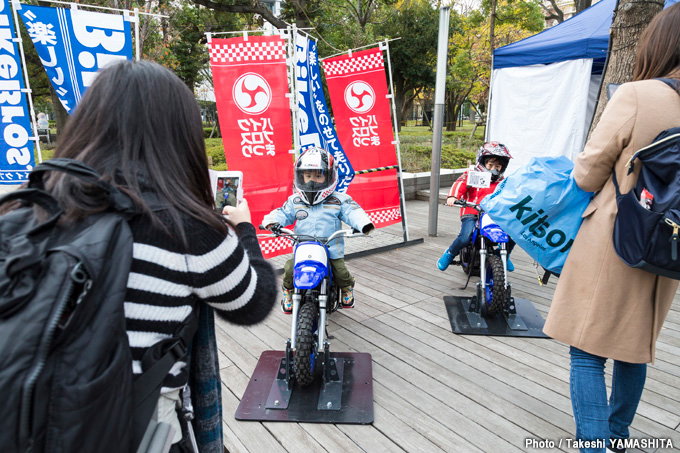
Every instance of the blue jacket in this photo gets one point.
(322, 219)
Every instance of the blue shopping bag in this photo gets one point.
(540, 207)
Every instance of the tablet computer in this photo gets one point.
(227, 187)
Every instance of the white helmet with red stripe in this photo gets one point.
(316, 175)
(493, 150)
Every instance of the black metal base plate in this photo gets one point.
(357, 393)
(496, 325)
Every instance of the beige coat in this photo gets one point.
(601, 305)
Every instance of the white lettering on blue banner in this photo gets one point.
(314, 123)
(16, 147)
(74, 44)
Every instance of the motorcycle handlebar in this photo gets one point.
(284, 232)
(466, 204)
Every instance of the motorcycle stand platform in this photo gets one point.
(523, 320)
(342, 391)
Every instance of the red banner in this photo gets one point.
(358, 92)
(251, 84)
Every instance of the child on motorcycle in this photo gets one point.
(494, 158)
(317, 209)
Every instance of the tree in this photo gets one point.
(414, 56)
(469, 68)
(630, 20)
(582, 4)
(182, 46)
(554, 12)
(246, 7)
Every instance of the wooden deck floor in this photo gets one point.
(435, 390)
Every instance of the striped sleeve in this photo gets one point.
(234, 278)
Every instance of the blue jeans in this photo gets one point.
(467, 226)
(595, 418)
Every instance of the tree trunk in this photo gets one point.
(399, 94)
(583, 4)
(407, 106)
(492, 27)
(301, 20)
(451, 110)
(60, 114)
(630, 19)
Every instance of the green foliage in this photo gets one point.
(470, 51)
(342, 24)
(215, 149)
(46, 151)
(522, 14)
(413, 56)
(457, 148)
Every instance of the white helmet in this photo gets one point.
(493, 150)
(316, 175)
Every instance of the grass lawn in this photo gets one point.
(457, 147)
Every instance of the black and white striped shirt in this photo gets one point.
(166, 284)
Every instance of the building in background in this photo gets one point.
(275, 7)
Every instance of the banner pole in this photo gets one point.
(16, 6)
(488, 103)
(402, 199)
(136, 11)
(439, 95)
(295, 104)
(57, 2)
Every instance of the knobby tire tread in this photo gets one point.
(305, 344)
(498, 289)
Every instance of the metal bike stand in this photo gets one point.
(330, 395)
(282, 387)
(515, 321)
(472, 309)
(520, 319)
(341, 393)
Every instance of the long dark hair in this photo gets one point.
(139, 126)
(658, 52)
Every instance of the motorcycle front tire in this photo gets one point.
(494, 272)
(306, 351)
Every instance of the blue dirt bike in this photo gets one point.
(487, 257)
(315, 296)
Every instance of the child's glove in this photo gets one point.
(368, 228)
(274, 228)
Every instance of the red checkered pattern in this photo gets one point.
(272, 247)
(384, 215)
(247, 51)
(350, 65)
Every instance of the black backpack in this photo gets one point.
(648, 238)
(65, 362)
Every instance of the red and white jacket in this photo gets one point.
(461, 191)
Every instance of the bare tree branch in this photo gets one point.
(256, 8)
(555, 13)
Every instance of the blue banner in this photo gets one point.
(16, 146)
(314, 122)
(74, 44)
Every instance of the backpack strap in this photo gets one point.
(675, 85)
(72, 167)
(40, 198)
(147, 386)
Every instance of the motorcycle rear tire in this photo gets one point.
(466, 259)
(306, 351)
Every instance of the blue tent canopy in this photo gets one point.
(585, 35)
